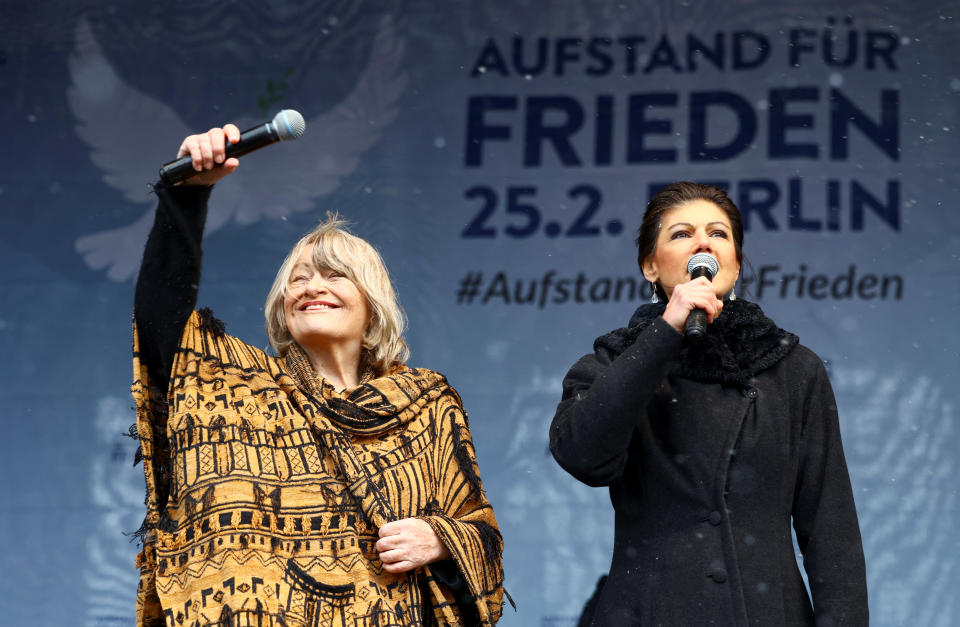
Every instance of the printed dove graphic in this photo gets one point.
(122, 125)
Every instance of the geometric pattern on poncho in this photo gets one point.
(264, 499)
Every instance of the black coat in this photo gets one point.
(710, 452)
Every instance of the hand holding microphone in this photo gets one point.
(206, 158)
(693, 304)
(700, 265)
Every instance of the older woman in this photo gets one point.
(711, 449)
(327, 485)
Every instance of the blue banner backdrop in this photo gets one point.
(500, 155)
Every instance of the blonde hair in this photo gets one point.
(335, 248)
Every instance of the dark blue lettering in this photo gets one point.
(829, 39)
(798, 44)
(883, 45)
(540, 61)
(538, 131)
(745, 42)
(715, 55)
(603, 137)
(490, 60)
(780, 122)
(638, 127)
(763, 282)
(478, 131)
(833, 205)
(630, 46)
(598, 50)
(750, 204)
(567, 51)
(663, 55)
(895, 280)
(889, 211)
(700, 102)
(795, 218)
(884, 134)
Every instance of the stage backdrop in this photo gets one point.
(499, 154)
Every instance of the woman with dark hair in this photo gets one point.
(330, 484)
(712, 448)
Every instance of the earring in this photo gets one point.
(654, 299)
(733, 293)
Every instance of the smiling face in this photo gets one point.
(696, 226)
(323, 308)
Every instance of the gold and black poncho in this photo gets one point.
(265, 493)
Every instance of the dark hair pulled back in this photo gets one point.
(674, 195)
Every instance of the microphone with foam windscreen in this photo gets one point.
(288, 124)
(701, 264)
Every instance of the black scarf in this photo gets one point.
(740, 343)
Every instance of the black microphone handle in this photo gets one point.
(250, 140)
(696, 325)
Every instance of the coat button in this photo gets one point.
(715, 518)
(718, 575)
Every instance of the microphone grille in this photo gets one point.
(703, 260)
(289, 124)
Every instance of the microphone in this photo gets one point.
(701, 264)
(288, 124)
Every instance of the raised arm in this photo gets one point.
(166, 289)
(602, 400)
(165, 295)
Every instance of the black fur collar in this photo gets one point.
(741, 342)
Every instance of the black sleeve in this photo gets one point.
(824, 513)
(447, 573)
(602, 400)
(166, 289)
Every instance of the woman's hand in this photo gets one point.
(696, 294)
(209, 154)
(409, 543)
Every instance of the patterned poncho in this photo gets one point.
(265, 493)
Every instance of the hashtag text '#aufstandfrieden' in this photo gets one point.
(553, 288)
(549, 289)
